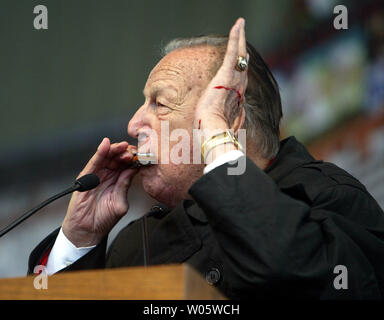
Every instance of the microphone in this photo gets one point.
(87, 182)
(84, 183)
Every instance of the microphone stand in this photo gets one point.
(37, 208)
(85, 183)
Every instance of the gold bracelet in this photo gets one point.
(218, 139)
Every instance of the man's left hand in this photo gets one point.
(221, 104)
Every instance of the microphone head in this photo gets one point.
(87, 182)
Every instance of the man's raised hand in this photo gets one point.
(221, 104)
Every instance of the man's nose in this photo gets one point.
(137, 122)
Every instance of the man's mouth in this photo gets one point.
(142, 160)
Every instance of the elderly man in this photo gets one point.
(289, 226)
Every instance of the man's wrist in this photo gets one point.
(81, 239)
(217, 151)
(64, 253)
(209, 128)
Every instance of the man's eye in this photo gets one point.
(162, 108)
(161, 105)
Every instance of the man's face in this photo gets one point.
(171, 94)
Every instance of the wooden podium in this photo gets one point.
(165, 282)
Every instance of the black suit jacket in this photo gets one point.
(277, 233)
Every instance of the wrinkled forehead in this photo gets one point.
(184, 67)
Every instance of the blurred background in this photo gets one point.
(63, 89)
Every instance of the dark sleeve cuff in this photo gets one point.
(41, 249)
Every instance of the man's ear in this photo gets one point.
(238, 123)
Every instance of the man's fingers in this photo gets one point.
(244, 79)
(119, 163)
(132, 148)
(231, 54)
(117, 148)
(243, 52)
(105, 156)
(242, 45)
(98, 159)
(127, 156)
(128, 152)
(122, 157)
(123, 183)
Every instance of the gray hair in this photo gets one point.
(263, 103)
